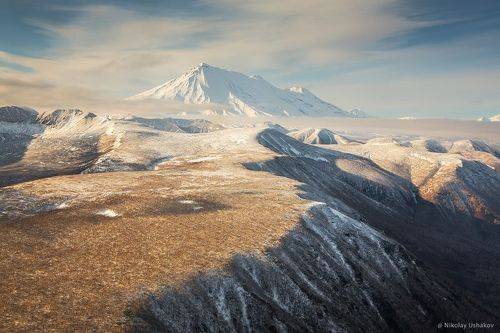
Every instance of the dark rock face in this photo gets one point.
(16, 114)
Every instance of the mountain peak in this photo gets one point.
(230, 92)
(202, 65)
(198, 68)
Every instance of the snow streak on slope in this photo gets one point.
(238, 94)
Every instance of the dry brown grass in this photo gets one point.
(71, 270)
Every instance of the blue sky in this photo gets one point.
(391, 58)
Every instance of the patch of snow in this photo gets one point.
(62, 205)
(107, 213)
(317, 158)
(187, 202)
(204, 159)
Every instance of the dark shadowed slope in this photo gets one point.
(331, 273)
(448, 240)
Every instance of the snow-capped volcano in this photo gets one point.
(238, 94)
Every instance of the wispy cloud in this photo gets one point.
(114, 51)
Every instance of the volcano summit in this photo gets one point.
(231, 93)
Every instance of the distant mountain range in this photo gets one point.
(233, 93)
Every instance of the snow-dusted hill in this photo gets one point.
(319, 136)
(314, 135)
(238, 94)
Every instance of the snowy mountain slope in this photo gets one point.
(17, 128)
(62, 117)
(53, 143)
(365, 181)
(238, 94)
